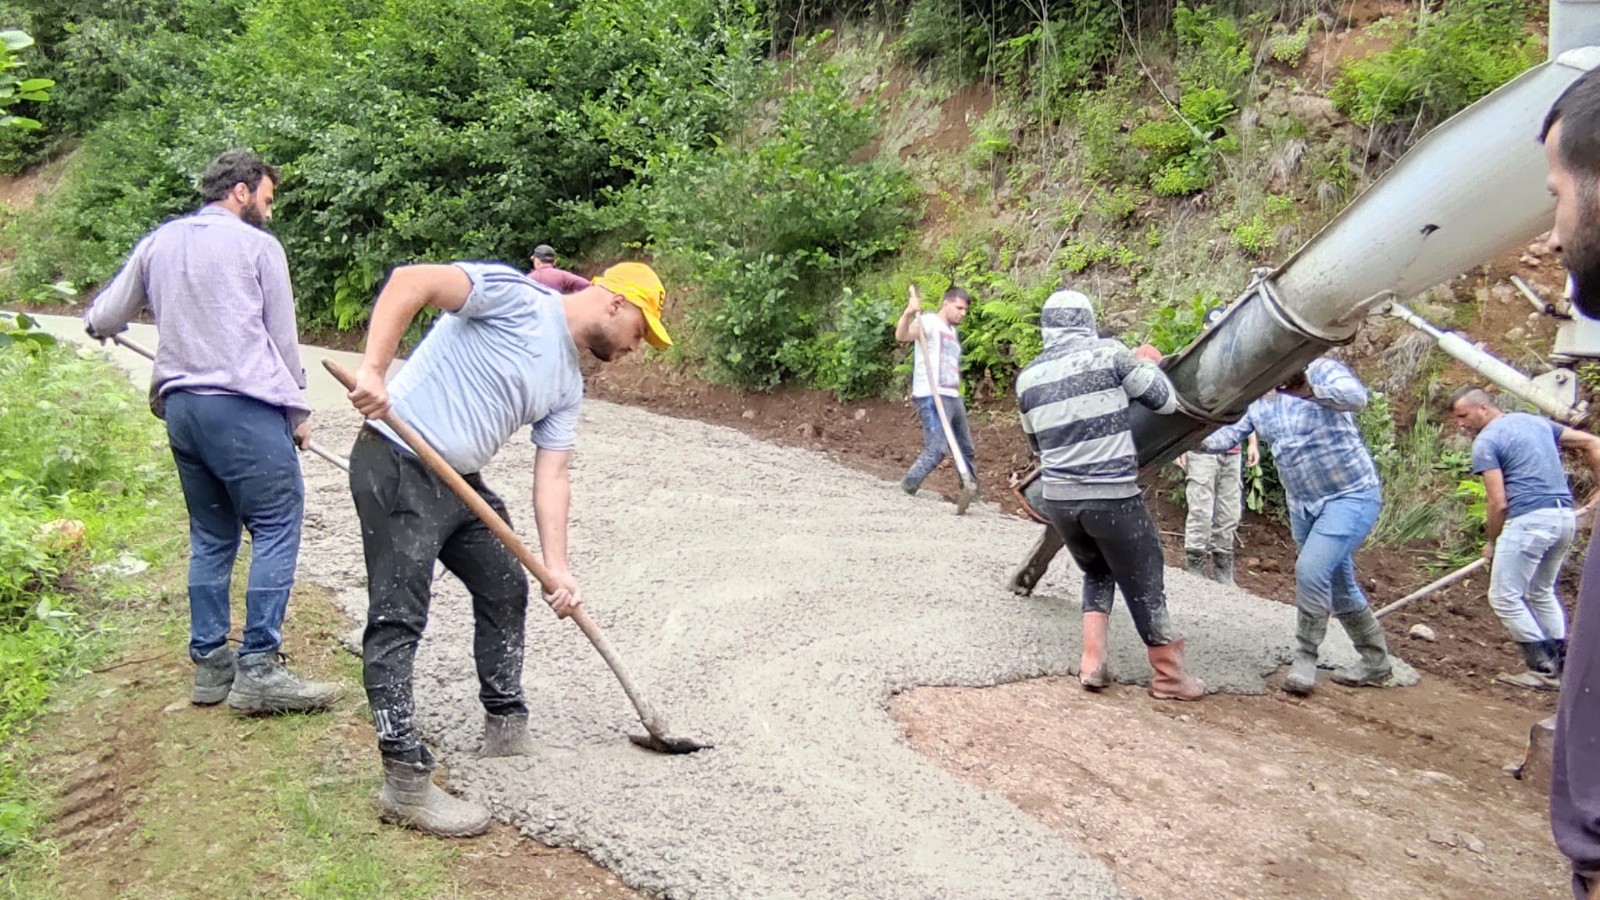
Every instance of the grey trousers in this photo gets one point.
(409, 519)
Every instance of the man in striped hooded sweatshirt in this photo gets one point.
(1074, 401)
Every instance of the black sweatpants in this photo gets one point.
(409, 519)
(1116, 544)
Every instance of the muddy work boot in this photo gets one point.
(1028, 575)
(213, 676)
(1172, 681)
(1544, 662)
(1222, 567)
(1094, 673)
(1309, 631)
(1195, 561)
(264, 685)
(1367, 635)
(505, 736)
(409, 798)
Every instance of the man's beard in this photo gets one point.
(1580, 253)
(253, 215)
(602, 346)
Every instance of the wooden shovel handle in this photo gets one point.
(431, 458)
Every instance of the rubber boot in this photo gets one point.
(1094, 672)
(1558, 650)
(1542, 660)
(213, 676)
(1309, 631)
(264, 685)
(409, 798)
(505, 736)
(1172, 681)
(1028, 575)
(1195, 561)
(1367, 635)
(1222, 567)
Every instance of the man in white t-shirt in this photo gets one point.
(940, 329)
(502, 357)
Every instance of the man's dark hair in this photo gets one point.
(1474, 395)
(956, 293)
(1578, 111)
(1295, 380)
(231, 168)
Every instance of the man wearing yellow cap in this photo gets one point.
(503, 356)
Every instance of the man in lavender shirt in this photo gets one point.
(229, 383)
(1571, 136)
(545, 272)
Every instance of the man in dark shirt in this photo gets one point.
(1571, 137)
(545, 272)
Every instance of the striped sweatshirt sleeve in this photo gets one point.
(1145, 383)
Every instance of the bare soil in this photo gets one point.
(1347, 794)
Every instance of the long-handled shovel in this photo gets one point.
(969, 485)
(657, 739)
(1429, 588)
(310, 447)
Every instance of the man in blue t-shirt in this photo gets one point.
(504, 356)
(1530, 524)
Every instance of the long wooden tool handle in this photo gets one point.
(484, 511)
(147, 354)
(1424, 591)
(135, 347)
(336, 460)
(938, 407)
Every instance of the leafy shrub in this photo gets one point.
(1180, 149)
(1289, 47)
(77, 445)
(1173, 326)
(408, 130)
(855, 358)
(1441, 63)
(1255, 236)
(775, 223)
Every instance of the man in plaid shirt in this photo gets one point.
(1333, 498)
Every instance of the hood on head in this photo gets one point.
(1067, 315)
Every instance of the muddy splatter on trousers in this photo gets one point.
(409, 519)
(1116, 545)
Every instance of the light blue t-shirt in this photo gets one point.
(1524, 449)
(505, 359)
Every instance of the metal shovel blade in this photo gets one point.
(667, 744)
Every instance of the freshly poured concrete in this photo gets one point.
(770, 601)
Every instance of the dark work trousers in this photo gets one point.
(1116, 544)
(409, 519)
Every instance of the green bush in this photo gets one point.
(1180, 149)
(77, 445)
(776, 222)
(410, 130)
(855, 358)
(1173, 326)
(1440, 63)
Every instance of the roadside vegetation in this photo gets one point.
(86, 499)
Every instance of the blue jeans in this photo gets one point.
(239, 469)
(934, 446)
(1325, 573)
(1522, 579)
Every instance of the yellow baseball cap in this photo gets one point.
(637, 283)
